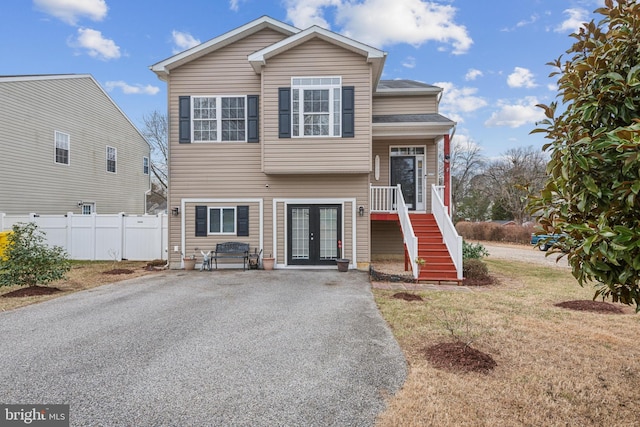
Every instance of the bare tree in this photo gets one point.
(514, 177)
(467, 162)
(156, 131)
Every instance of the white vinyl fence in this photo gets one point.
(101, 237)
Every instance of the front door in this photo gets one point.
(314, 235)
(403, 172)
(407, 169)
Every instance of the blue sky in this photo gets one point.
(489, 56)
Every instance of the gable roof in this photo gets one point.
(374, 56)
(44, 77)
(163, 68)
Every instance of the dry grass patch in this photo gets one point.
(555, 367)
(83, 275)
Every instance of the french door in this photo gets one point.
(314, 235)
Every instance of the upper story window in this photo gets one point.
(219, 118)
(112, 157)
(316, 105)
(62, 148)
(145, 165)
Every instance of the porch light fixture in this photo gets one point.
(361, 210)
(80, 203)
(175, 211)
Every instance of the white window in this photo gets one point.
(112, 157)
(62, 148)
(145, 165)
(219, 118)
(316, 106)
(88, 208)
(222, 220)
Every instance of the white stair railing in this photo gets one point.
(449, 233)
(410, 239)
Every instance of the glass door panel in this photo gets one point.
(300, 233)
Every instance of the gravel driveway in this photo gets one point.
(225, 348)
(523, 253)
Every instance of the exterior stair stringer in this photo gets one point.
(439, 266)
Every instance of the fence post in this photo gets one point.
(122, 236)
(69, 245)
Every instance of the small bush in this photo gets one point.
(473, 251)
(29, 261)
(476, 272)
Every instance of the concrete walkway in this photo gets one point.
(226, 348)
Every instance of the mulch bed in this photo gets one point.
(593, 306)
(407, 296)
(31, 291)
(118, 271)
(458, 357)
(379, 276)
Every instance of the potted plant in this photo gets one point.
(190, 261)
(268, 262)
(343, 264)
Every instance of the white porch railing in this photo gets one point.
(390, 199)
(449, 233)
(384, 199)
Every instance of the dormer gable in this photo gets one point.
(372, 55)
(163, 68)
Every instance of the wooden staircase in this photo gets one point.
(439, 266)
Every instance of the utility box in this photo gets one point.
(4, 240)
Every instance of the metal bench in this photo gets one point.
(232, 250)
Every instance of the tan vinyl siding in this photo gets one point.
(30, 112)
(386, 239)
(317, 155)
(416, 104)
(233, 170)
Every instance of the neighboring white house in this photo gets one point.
(65, 146)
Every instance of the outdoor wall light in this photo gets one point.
(361, 210)
(175, 211)
(80, 203)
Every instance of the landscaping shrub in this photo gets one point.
(473, 251)
(28, 260)
(493, 232)
(475, 272)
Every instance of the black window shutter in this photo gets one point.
(284, 112)
(242, 221)
(253, 131)
(184, 115)
(348, 110)
(201, 221)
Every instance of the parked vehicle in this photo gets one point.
(544, 241)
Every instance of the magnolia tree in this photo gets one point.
(592, 194)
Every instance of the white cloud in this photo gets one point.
(523, 112)
(235, 4)
(410, 62)
(459, 100)
(577, 16)
(183, 41)
(521, 77)
(305, 13)
(97, 46)
(128, 89)
(70, 11)
(382, 22)
(523, 23)
(473, 74)
(552, 87)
